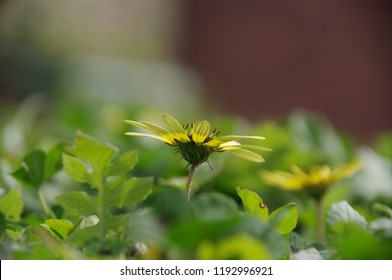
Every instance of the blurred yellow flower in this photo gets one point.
(314, 182)
(196, 142)
(318, 176)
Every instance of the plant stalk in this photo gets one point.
(49, 213)
(320, 222)
(188, 188)
(102, 211)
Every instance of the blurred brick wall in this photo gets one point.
(265, 58)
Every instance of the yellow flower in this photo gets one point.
(317, 179)
(196, 142)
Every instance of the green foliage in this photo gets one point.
(94, 163)
(342, 213)
(11, 206)
(283, 219)
(312, 133)
(59, 228)
(358, 243)
(91, 201)
(253, 204)
(354, 237)
(93, 158)
(38, 166)
(384, 145)
(382, 225)
(214, 207)
(214, 222)
(78, 203)
(374, 181)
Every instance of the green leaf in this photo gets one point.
(79, 238)
(3, 224)
(117, 224)
(53, 162)
(313, 133)
(124, 163)
(11, 205)
(383, 144)
(96, 154)
(376, 173)
(360, 244)
(253, 204)
(161, 200)
(32, 171)
(383, 208)
(34, 163)
(343, 212)
(75, 168)
(91, 161)
(284, 219)
(214, 206)
(190, 232)
(78, 203)
(297, 242)
(383, 225)
(59, 228)
(22, 176)
(130, 192)
(16, 232)
(38, 166)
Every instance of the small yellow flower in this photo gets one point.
(317, 179)
(196, 142)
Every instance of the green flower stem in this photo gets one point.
(188, 187)
(320, 221)
(49, 213)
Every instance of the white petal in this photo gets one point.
(247, 155)
(236, 137)
(160, 138)
(230, 145)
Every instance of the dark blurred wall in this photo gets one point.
(265, 58)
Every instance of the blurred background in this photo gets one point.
(257, 60)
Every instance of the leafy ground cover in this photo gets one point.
(73, 186)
